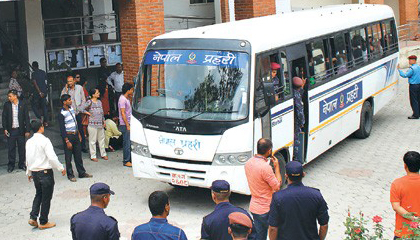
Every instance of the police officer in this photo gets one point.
(299, 117)
(413, 75)
(277, 88)
(294, 211)
(93, 223)
(215, 225)
(240, 225)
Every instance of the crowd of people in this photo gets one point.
(277, 211)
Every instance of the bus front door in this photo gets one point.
(297, 61)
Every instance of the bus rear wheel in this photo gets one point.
(282, 165)
(366, 121)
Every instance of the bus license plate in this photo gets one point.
(179, 179)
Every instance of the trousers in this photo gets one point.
(77, 153)
(44, 186)
(126, 144)
(96, 135)
(38, 104)
(415, 99)
(261, 225)
(14, 139)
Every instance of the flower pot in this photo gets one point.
(104, 37)
(61, 42)
(88, 38)
(73, 40)
(48, 43)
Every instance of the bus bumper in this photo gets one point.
(198, 175)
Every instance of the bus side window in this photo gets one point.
(388, 37)
(339, 53)
(287, 91)
(262, 75)
(358, 45)
(318, 61)
(374, 41)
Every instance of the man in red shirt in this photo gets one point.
(405, 197)
(263, 182)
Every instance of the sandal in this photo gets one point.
(94, 159)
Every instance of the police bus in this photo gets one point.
(205, 96)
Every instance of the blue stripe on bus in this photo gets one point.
(345, 82)
(284, 110)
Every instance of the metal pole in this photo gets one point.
(51, 102)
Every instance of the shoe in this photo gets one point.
(105, 157)
(94, 159)
(33, 223)
(413, 117)
(128, 164)
(85, 150)
(72, 179)
(47, 225)
(10, 169)
(23, 168)
(86, 175)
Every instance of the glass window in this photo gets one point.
(374, 41)
(389, 42)
(200, 1)
(285, 75)
(358, 45)
(198, 84)
(339, 53)
(318, 61)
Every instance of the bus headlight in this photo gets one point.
(227, 159)
(140, 149)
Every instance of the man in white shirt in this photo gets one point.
(116, 80)
(40, 159)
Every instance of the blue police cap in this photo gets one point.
(220, 186)
(100, 188)
(294, 168)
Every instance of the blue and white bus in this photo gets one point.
(204, 96)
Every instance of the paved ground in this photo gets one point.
(355, 174)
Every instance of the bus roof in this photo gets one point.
(287, 28)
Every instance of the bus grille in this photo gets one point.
(181, 160)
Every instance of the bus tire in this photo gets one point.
(366, 121)
(282, 165)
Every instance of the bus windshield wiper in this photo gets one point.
(198, 114)
(160, 109)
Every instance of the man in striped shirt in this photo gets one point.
(71, 137)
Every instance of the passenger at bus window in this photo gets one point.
(299, 116)
(277, 87)
(371, 46)
(311, 66)
(340, 63)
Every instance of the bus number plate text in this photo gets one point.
(179, 179)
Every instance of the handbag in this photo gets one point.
(85, 117)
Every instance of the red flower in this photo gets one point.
(414, 225)
(377, 219)
(357, 230)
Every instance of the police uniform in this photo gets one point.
(215, 225)
(296, 209)
(299, 120)
(93, 223)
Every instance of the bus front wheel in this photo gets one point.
(366, 121)
(282, 165)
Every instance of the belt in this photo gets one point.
(43, 171)
(15, 128)
(74, 133)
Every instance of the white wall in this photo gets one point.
(394, 4)
(103, 7)
(35, 32)
(184, 8)
(299, 4)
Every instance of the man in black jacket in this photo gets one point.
(16, 127)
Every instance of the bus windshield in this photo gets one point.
(194, 84)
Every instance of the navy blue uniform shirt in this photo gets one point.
(158, 228)
(215, 225)
(93, 223)
(40, 77)
(295, 211)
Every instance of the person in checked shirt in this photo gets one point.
(40, 159)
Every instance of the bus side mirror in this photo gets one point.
(269, 94)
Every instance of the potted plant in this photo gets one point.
(104, 34)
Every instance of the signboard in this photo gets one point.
(340, 101)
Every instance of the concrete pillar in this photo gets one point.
(35, 32)
(374, 1)
(408, 11)
(140, 21)
(254, 8)
(224, 11)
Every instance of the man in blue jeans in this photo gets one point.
(124, 106)
(158, 227)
